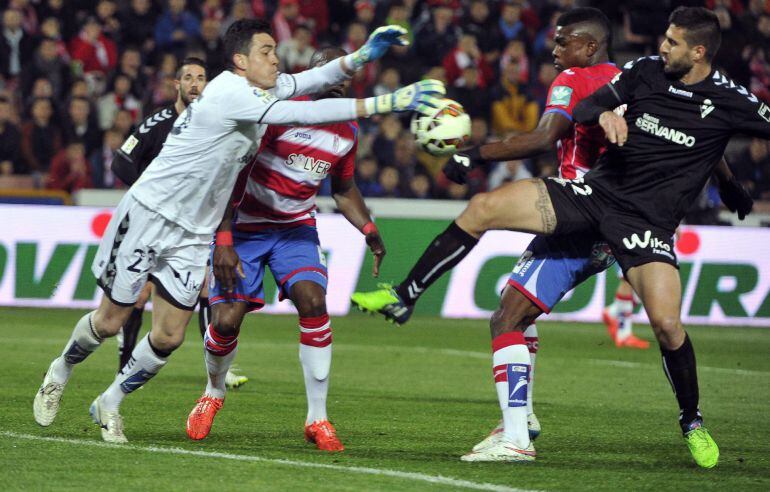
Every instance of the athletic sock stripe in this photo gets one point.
(443, 262)
(319, 339)
(507, 339)
(314, 322)
(500, 373)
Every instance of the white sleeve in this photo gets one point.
(310, 81)
(309, 112)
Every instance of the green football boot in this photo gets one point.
(703, 448)
(384, 301)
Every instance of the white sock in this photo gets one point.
(533, 344)
(143, 365)
(315, 355)
(510, 366)
(219, 353)
(624, 309)
(82, 342)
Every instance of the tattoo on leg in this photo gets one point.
(543, 205)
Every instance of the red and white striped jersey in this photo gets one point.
(279, 188)
(579, 150)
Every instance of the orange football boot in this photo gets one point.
(202, 416)
(632, 341)
(611, 322)
(323, 434)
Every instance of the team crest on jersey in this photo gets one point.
(706, 108)
(561, 95)
(262, 94)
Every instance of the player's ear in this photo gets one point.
(698, 53)
(177, 83)
(591, 48)
(239, 60)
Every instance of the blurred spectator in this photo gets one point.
(404, 156)
(317, 12)
(46, 63)
(419, 187)
(41, 87)
(384, 145)
(131, 66)
(466, 91)
(389, 182)
(94, 52)
(241, 9)
(733, 54)
(511, 25)
(212, 46)
(643, 23)
(546, 73)
(124, 121)
(78, 125)
(365, 14)
(40, 137)
(512, 110)
(436, 38)
(366, 177)
(516, 52)
(504, 172)
(176, 27)
(101, 160)
(51, 28)
(15, 45)
(10, 159)
(70, 171)
(759, 60)
(137, 25)
(752, 168)
(213, 10)
(479, 23)
(467, 54)
(398, 14)
(119, 97)
(389, 81)
(543, 45)
(294, 54)
(61, 11)
(364, 78)
(106, 13)
(29, 19)
(80, 88)
(286, 20)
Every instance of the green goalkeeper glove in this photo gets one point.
(422, 96)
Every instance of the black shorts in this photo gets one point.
(634, 240)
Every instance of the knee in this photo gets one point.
(480, 209)
(666, 328)
(312, 306)
(107, 325)
(505, 320)
(226, 324)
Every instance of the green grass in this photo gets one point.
(411, 399)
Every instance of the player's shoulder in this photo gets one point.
(158, 119)
(652, 62)
(723, 86)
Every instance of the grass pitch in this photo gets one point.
(407, 402)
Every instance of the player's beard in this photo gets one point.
(187, 99)
(675, 70)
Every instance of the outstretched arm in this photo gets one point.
(733, 194)
(351, 204)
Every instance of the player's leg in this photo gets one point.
(511, 371)
(533, 345)
(129, 333)
(618, 317)
(220, 342)
(659, 286)
(315, 356)
(111, 266)
(521, 206)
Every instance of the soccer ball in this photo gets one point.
(443, 131)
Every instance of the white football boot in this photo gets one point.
(46, 404)
(110, 422)
(501, 450)
(533, 426)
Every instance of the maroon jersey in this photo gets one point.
(579, 150)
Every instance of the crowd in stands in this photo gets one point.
(76, 76)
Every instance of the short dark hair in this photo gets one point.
(190, 60)
(701, 28)
(238, 37)
(325, 54)
(588, 15)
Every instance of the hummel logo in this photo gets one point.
(414, 290)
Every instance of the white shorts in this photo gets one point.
(141, 245)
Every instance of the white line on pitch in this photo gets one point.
(418, 477)
(723, 370)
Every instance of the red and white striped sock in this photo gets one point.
(533, 343)
(510, 366)
(315, 355)
(219, 354)
(623, 308)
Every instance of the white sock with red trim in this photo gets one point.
(315, 355)
(623, 308)
(219, 353)
(530, 336)
(510, 366)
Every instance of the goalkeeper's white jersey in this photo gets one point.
(190, 181)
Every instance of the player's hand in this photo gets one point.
(460, 164)
(736, 198)
(226, 265)
(377, 246)
(378, 44)
(614, 127)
